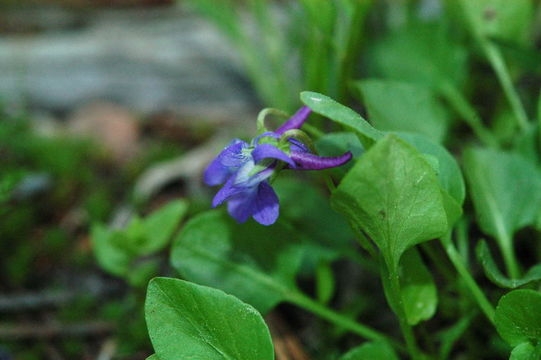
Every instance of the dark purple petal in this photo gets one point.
(230, 159)
(266, 134)
(296, 121)
(298, 146)
(308, 161)
(242, 206)
(267, 207)
(266, 151)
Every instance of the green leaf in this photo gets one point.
(116, 250)
(404, 107)
(324, 105)
(506, 191)
(422, 54)
(160, 225)
(153, 357)
(188, 321)
(419, 293)
(518, 317)
(494, 274)
(107, 247)
(256, 263)
(375, 350)
(393, 194)
(524, 351)
(503, 19)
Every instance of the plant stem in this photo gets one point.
(330, 315)
(468, 114)
(508, 253)
(475, 290)
(498, 64)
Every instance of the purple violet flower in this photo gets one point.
(246, 168)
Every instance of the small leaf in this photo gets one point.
(107, 247)
(188, 321)
(393, 194)
(152, 357)
(404, 107)
(160, 225)
(258, 264)
(419, 293)
(376, 350)
(494, 274)
(518, 317)
(524, 351)
(506, 191)
(324, 105)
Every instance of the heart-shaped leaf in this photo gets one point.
(393, 194)
(189, 321)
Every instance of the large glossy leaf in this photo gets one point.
(494, 274)
(376, 350)
(524, 351)
(419, 293)
(393, 194)
(518, 317)
(188, 321)
(324, 105)
(256, 263)
(506, 191)
(404, 107)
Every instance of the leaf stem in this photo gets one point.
(508, 254)
(470, 282)
(330, 315)
(405, 327)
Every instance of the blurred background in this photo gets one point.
(112, 108)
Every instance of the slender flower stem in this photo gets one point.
(470, 282)
(468, 114)
(330, 315)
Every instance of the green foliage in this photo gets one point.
(372, 350)
(506, 192)
(323, 105)
(394, 195)
(518, 317)
(256, 264)
(494, 274)
(419, 292)
(404, 107)
(117, 251)
(190, 321)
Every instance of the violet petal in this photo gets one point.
(266, 151)
(230, 159)
(296, 121)
(227, 191)
(242, 206)
(308, 161)
(267, 206)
